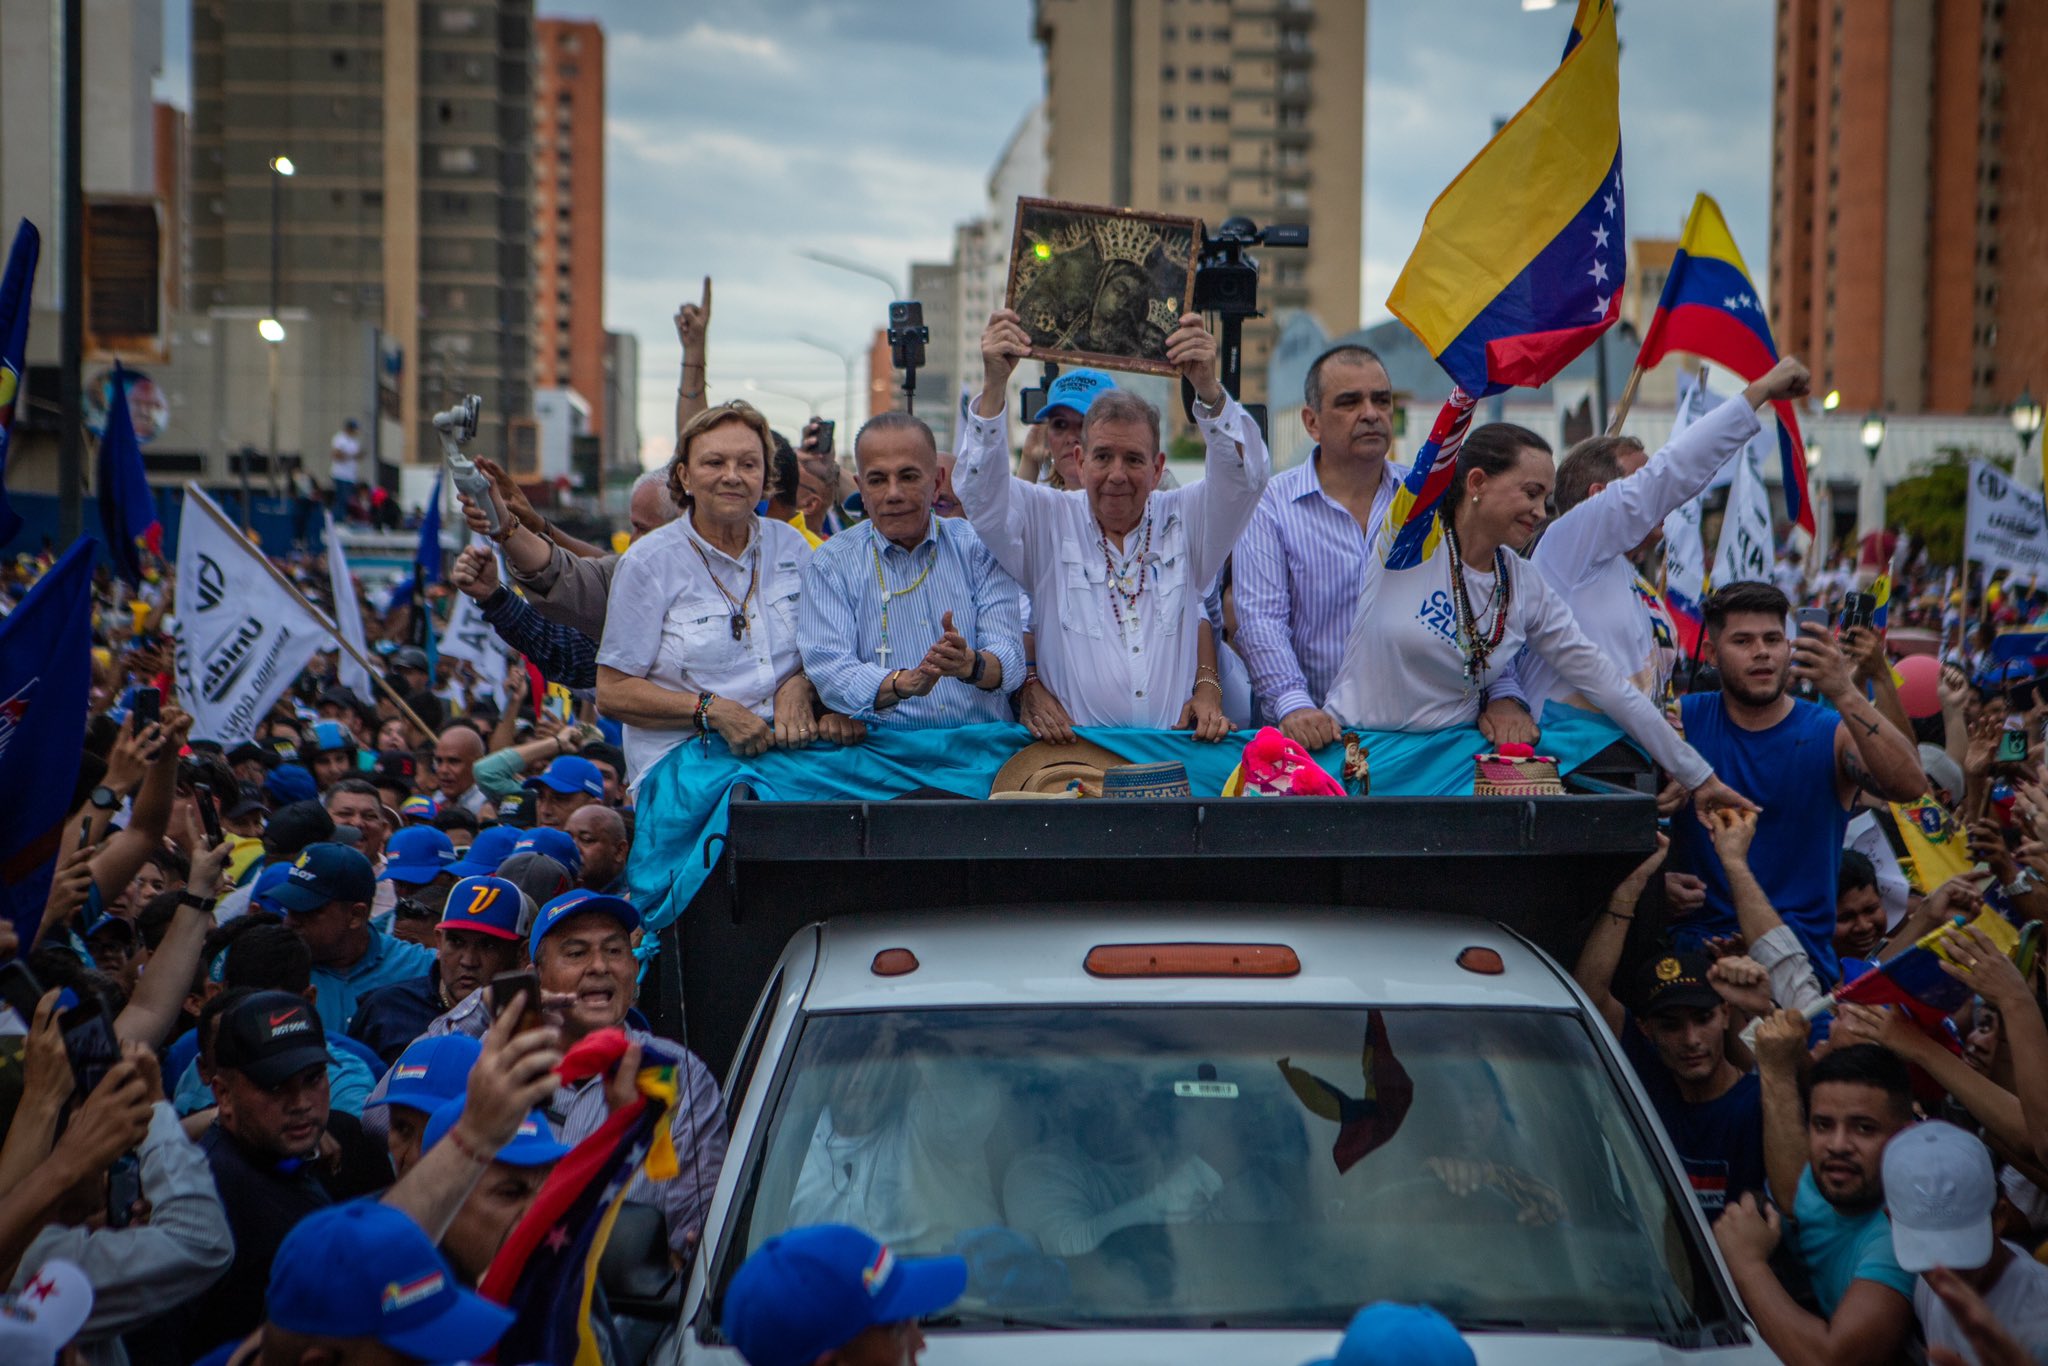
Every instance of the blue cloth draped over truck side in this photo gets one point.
(682, 804)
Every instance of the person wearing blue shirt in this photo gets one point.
(326, 899)
(1826, 1166)
(1676, 1040)
(907, 620)
(1803, 763)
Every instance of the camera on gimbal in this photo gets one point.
(907, 336)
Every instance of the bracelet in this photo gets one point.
(703, 718)
(1617, 915)
(894, 691)
(1211, 682)
(462, 1146)
(198, 902)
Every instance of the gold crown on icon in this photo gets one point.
(1162, 316)
(1126, 239)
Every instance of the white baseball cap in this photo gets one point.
(40, 1320)
(1939, 1190)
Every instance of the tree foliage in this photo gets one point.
(1930, 504)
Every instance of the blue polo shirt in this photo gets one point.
(386, 961)
(1839, 1249)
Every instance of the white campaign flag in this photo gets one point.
(348, 615)
(243, 635)
(1685, 554)
(2007, 526)
(1745, 552)
(472, 638)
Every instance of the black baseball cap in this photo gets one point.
(515, 809)
(397, 768)
(1673, 980)
(249, 749)
(297, 824)
(270, 1037)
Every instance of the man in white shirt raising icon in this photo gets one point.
(1117, 568)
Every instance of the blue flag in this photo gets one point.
(127, 507)
(45, 683)
(15, 298)
(428, 556)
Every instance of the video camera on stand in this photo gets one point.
(907, 336)
(1226, 284)
(457, 427)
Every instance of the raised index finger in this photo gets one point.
(707, 296)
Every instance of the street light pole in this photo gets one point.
(847, 358)
(2026, 421)
(823, 258)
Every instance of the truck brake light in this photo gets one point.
(1192, 960)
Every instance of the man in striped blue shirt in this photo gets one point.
(1299, 566)
(907, 619)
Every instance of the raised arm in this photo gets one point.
(1008, 514)
(1235, 462)
(161, 992)
(1769, 939)
(1601, 954)
(693, 322)
(1780, 1057)
(1870, 755)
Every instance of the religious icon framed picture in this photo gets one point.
(1099, 286)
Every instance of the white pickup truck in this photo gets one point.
(1170, 1128)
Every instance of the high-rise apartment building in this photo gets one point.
(1216, 108)
(1909, 199)
(408, 221)
(568, 211)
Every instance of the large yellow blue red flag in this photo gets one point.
(1521, 259)
(1710, 309)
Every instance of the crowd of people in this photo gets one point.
(254, 1072)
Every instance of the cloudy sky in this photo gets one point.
(744, 132)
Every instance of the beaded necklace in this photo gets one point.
(1117, 580)
(882, 584)
(1473, 643)
(738, 621)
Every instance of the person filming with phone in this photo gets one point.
(1803, 762)
(583, 965)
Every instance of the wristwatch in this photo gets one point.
(2020, 885)
(104, 798)
(197, 902)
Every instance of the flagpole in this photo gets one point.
(376, 676)
(1628, 399)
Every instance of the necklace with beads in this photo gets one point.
(1474, 643)
(882, 585)
(1117, 579)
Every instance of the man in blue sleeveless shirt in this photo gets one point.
(1803, 763)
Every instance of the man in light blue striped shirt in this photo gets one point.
(907, 619)
(1299, 566)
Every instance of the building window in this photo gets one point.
(1166, 153)
(455, 20)
(1219, 113)
(1195, 75)
(1194, 194)
(1194, 154)
(1194, 113)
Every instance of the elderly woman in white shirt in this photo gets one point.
(1427, 642)
(700, 628)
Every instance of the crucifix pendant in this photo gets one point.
(882, 655)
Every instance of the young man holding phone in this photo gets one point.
(1803, 763)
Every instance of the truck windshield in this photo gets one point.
(1266, 1167)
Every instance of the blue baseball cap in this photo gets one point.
(569, 774)
(429, 1073)
(366, 1270)
(489, 849)
(289, 783)
(533, 1146)
(813, 1290)
(576, 903)
(267, 880)
(558, 845)
(329, 736)
(418, 853)
(1389, 1334)
(1075, 391)
(419, 809)
(489, 905)
(323, 873)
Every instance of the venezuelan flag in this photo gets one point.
(1915, 982)
(1710, 309)
(1521, 259)
(1411, 515)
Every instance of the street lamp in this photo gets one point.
(825, 258)
(1832, 401)
(271, 330)
(2026, 420)
(1873, 435)
(848, 358)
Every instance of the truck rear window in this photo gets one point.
(1257, 1167)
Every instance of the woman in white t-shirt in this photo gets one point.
(1428, 642)
(700, 627)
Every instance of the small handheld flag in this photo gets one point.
(1914, 980)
